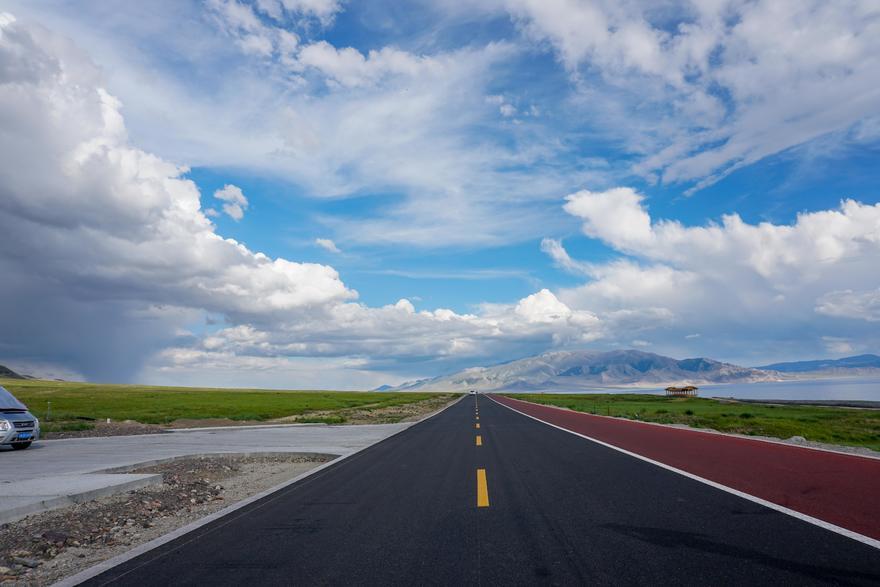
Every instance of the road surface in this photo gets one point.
(480, 494)
(840, 489)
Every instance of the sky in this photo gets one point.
(328, 194)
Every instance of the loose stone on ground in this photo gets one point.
(44, 548)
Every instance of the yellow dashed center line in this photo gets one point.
(482, 489)
(479, 440)
(478, 425)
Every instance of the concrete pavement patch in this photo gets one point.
(54, 474)
(29, 496)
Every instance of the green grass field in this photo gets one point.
(72, 404)
(846, 426)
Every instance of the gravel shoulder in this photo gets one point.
(44, 548)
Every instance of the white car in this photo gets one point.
(473, 392)
(18, 427)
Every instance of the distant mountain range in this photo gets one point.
(586, 370)
(847, 365)
(582, 370)
(10, 374)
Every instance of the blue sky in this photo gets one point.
(524, 175)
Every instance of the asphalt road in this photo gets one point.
(554, 509)
(841, 489)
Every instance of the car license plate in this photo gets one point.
(24, 435)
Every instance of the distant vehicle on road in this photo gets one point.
(473, 392)
(18, 427)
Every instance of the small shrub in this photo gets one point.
(746, 415)
(689, 412)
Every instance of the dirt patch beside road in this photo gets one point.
(44, 548)
(131, 428)
(100, 429)
(376, 414)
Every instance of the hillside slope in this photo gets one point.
(6, 372)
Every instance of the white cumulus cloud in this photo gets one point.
(615, 216)
(556, 251)
(351, 68)
(761, 287)
(327, 244)
(235, 201)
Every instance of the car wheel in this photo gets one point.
(21, 445)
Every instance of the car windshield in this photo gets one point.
(9, 402)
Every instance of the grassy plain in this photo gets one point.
(74, 406)
(845, 426)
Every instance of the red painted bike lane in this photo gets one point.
(837, 488)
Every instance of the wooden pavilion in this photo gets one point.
(686, 391)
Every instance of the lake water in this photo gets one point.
(852, 388)
(841, 388)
